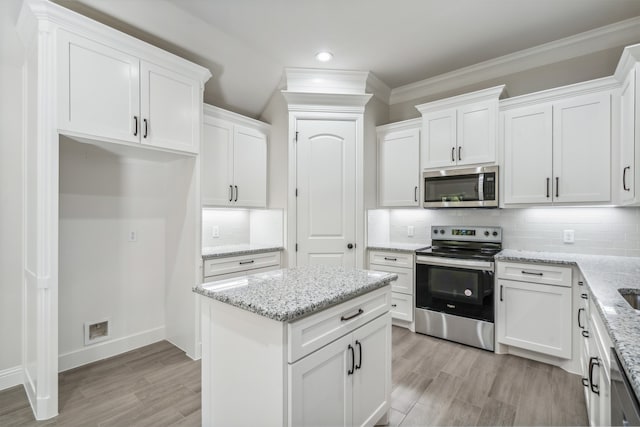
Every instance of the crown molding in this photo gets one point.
(617, 34)
(326, 102)
(211, 111)
(314, 80)
(378, 88)
(481, 95)
(630, 56)
(403, 125)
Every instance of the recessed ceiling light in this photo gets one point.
(324, 56)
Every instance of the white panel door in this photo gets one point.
(582, 149)
(399, 168)
(535, 317)
(371, 379)
(528, 149)
(98, 88)
(326, 185)
(216, 163)
(628, 138)
(320, 386)
(170, 109)
(249, 167)
(477, 133)
(438, 145)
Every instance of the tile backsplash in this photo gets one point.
(598, 230)
(242, 227)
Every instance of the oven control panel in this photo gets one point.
(466, 233)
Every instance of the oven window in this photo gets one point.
(452, 188)
(456, 285)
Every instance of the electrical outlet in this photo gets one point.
(409, 230)
(569, 236)
(215, 231)
(133, 236)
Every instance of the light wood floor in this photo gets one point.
(435, 382)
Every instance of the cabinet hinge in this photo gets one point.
(296, 247)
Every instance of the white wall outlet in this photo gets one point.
(409, 230)
(133, 236)
(215, 231)
(569, 236)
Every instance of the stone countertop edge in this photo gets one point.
(246, 251)
(287, 295)
(603, 275)
(397, 247)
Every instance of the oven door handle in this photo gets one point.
(455, 263)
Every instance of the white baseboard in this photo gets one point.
(11, 377)
(110, 348)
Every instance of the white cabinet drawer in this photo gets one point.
(538, 273)
(395, 259)
(311, 333)
(216, 266)
(404, 284)
(402, 306)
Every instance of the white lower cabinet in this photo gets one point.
(348, 376)
(235, 266)
(532, 315)
(401, 264)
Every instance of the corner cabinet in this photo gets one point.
(399, 164)
(461, 130)
(234, 160)
(558, 151)
(108, 94)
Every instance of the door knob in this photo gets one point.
(350, 245)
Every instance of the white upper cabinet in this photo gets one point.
(112, 93)
(461, 130)
(398, 164)
(628, 137)
(234, 160)
(557, 147)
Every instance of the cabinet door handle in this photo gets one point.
(593, 362)
(531, 273)
(453, 154)
(459, 153)
(359, 344)
(353, 360)
(584, 296)
(580, 310)
(501, 286)
(580, 283)
(624, 178)
(585, 334)
(390, 259)
(360, 311)
(415, 194)
(231, 193)
(135, 125)
(557, 186)
(236, 199)
(394, 305)
(548, 187)
(146, 128)
(247, 262)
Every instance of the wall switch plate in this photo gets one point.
(568, 236)
(133, 236)
(409, 230)
(215, 231)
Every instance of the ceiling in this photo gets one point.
(247, 43)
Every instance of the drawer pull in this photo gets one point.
(580, 283)
(394, 305)
(390, 259)
(585, 334)
(360, 311)
(246, 262)
(584, 296)
(585, 382)
(532, 274)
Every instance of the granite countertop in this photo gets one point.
(397, 247)
(289, 294)
(604, 275)
(209, 252)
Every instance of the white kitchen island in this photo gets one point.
(297, 347)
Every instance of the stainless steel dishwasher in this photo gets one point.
(625, 410)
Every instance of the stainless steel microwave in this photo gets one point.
(461, 188)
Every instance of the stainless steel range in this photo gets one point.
(455, 285)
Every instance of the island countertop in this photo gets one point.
(289, 294)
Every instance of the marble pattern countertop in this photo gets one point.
(289, 294)
(397, 247)
(604, 275)
(209, 252)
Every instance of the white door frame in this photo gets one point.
(353, 114)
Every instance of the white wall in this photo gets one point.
(11, 53)
(604, 231)
(276, 114)
(103, 198)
